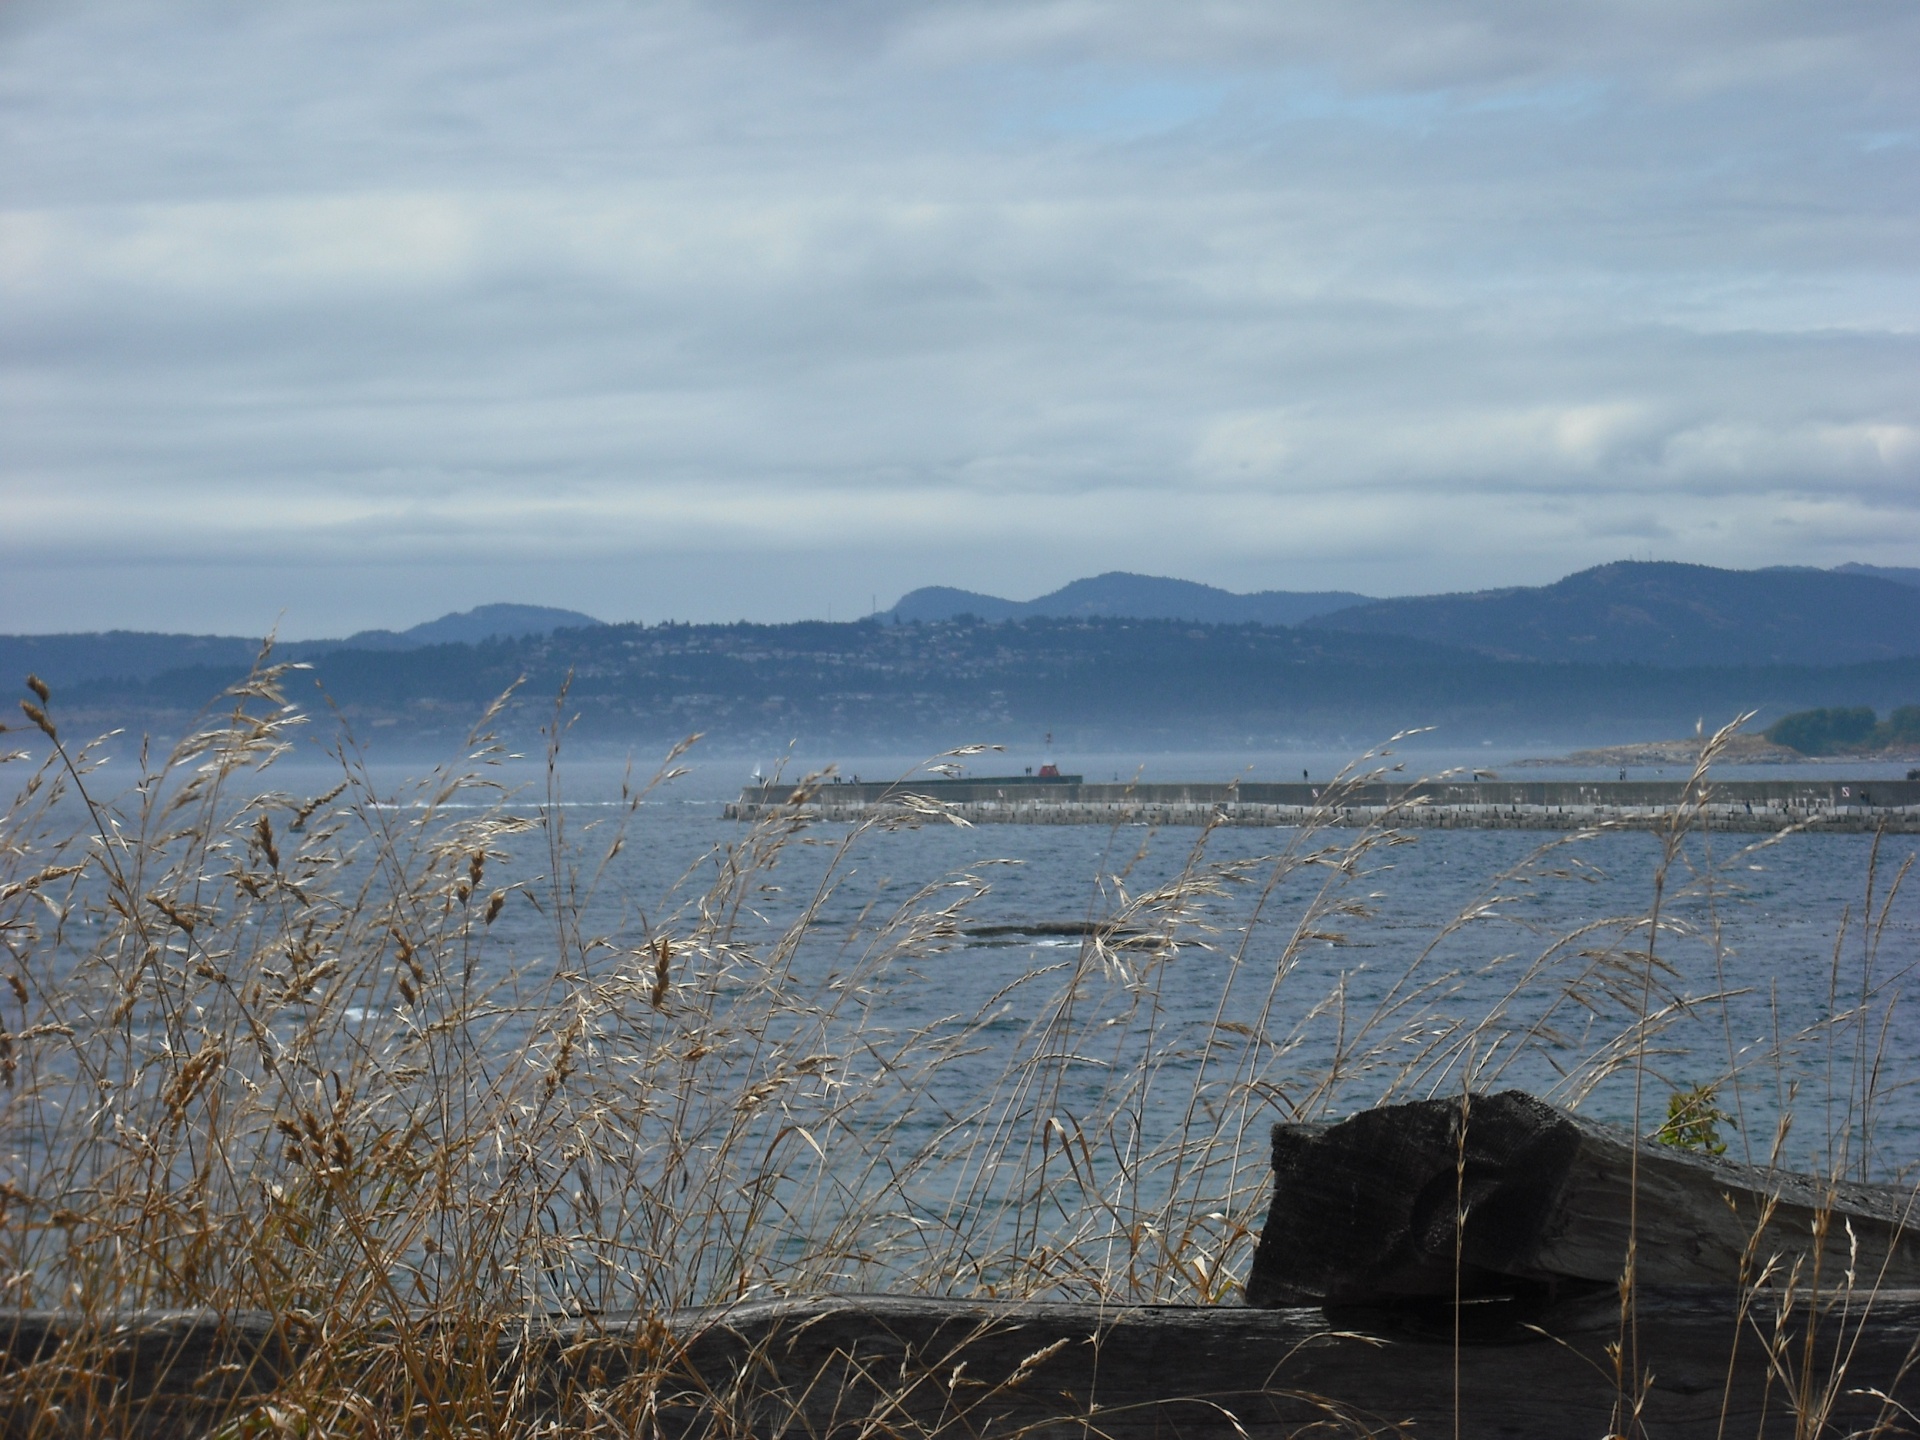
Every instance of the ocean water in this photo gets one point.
(1769, 975)
(1242, 976)
(1780, 970)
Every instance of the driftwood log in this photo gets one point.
(866, 1366)
(1418, 1275)
(1506, 1196)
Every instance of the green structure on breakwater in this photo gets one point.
(1755, 805)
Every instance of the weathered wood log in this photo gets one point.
(953, 1367)
(158, 1373)
(858, 1366)
(1370, 1210)
(1461, 1263)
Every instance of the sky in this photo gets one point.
(335, 315)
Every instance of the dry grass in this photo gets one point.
(271, 1053)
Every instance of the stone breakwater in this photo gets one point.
(1758, 806)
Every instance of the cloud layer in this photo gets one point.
(356, 313)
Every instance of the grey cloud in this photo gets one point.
(1380, 297)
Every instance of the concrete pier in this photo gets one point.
(1759, 806)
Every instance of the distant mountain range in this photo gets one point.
(1648, 613)
(467, 627)
(140, 655)
(1616, 652)
(1120, 595)
(1633, 612)
(1100, 681)
(1900, 574)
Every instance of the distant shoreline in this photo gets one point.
(1740, 750)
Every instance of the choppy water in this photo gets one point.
(1492, 957)
(1756, 925)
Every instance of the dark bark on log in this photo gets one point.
(874, 1365)
(1366, 1211)
(1509, 1324)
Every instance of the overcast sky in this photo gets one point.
(345, 315)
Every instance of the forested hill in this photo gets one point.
(1153, 683)
(1663, 613)
(1630, 612)
(1120, 595)
(61, 659)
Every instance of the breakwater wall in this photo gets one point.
(1738, 805)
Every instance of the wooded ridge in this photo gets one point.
(926, 687)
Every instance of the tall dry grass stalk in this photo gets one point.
(272, 1052)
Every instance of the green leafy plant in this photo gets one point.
(1694, 1118)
